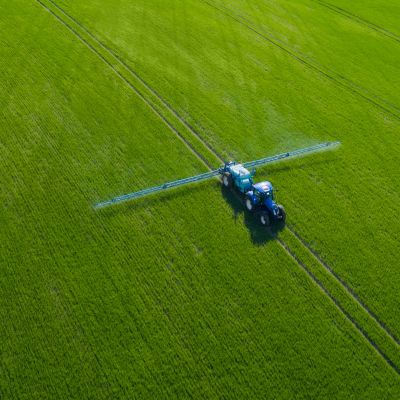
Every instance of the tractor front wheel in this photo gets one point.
(227, 180)
(282, 213)
(265, 219)
(249, 204)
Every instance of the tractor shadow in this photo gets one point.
(258, 233)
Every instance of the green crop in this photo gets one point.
(250, 93)
(183, 294)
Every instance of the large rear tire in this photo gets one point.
(265, 219)
(282, 214)
(227, 180)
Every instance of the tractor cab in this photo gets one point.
(263, 191)
(260, 194)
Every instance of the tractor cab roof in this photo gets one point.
(263, 187)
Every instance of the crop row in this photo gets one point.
(340, 48)
(385, 342)
(170, 297)
(245, 95)
(379, 16)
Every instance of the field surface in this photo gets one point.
(183, 295)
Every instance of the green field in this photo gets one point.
(183, 294)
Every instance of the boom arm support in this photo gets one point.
(168, 185)
(211, 174)
(291, 154)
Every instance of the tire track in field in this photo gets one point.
(346, 286)
(329, 269)
(139, 93)
(337, 304)
(128, 68)
(359, 20)
(335, 78)
(197, 154)
(283, 244)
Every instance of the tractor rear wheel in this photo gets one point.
(282, 213)
(227, 180)
(249, 204)
(265, 218)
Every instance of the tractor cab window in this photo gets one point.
(257, 194)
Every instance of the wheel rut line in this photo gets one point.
(132, 87)
(308, 64)
(340, 280)
(337, 304)
(338, 76)
(359, 20)
(312, 61)
(128, 68)
(205, 162)
(344, 285)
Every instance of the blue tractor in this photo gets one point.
(258, 196)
